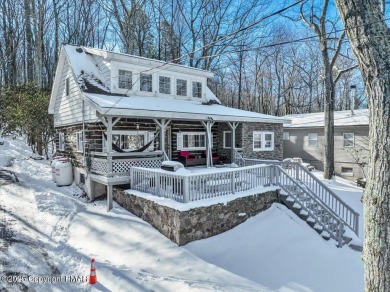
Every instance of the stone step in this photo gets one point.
(311, 221)
(303, 214)
(318, 228)
(296, 207)
(325, 235)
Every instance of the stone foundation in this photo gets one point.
(183, 227)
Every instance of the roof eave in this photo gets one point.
(125, 112)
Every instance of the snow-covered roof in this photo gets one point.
(94, 87)
(341, 118)
(161, 107)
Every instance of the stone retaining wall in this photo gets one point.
(183, 227)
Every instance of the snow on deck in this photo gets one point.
(51, 230)
(341, 118)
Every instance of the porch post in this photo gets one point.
(162, 125)
(209, 158)
(109, 197)
(232, 127)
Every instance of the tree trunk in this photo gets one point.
(368, 35)
(328, 88)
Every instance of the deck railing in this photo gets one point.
(119, 164)
(325, 217)
(197, 186)
(316, 187)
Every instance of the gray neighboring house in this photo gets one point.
(304, 138)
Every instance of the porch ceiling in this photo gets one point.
(168, 108)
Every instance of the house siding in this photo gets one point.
(68, 110)
(352, 157)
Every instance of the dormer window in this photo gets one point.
(125, 80)
(165, 85)
(181, 87)
(146, 82)
(197, 89)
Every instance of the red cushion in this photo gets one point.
(184, 153)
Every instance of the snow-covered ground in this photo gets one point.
(46, 230)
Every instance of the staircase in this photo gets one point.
(312, 200)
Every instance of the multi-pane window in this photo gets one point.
(192, 141)
(286, 135)
(347, 171)
(196, 89)
(61, 141)
(125, 79)
(129, 141)
(79, 141)
(67, 86)
(349, 139)
(227, 139)
(181, 87)
(263, 141)
(165, 85)
(146, 82)
(312, 139)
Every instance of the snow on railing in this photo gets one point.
(316, 187)
(188, 187)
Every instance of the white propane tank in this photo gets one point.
(64, 173)
(53, 166)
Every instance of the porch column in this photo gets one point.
(109, 124)
(233, 126)
(209, 158)
(162, 125)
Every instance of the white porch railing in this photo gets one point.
(197, 186)
(119, 164)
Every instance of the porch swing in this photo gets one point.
(142, 149)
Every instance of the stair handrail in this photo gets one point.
(338, 236)
(352, 223)
(238, 156)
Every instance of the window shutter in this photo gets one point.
(179, 141)
(150, 138)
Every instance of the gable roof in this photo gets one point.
(93, 90)
(341, 118)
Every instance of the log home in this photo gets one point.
(120, 118)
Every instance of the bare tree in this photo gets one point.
(368, 36)
(330, 51)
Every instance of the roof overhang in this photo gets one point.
(163, 108)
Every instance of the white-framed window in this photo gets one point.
(67, 90)
(347, 171)
(197, 89)
(164, 84)
(227, 139)
(125, 79)
(130, 140)
(263, 141)
(181, 87)
(146, 82)
(286, 135)
(349, 139)
(191, 141)
(312, 139)
(61, 141)
(79, 141)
